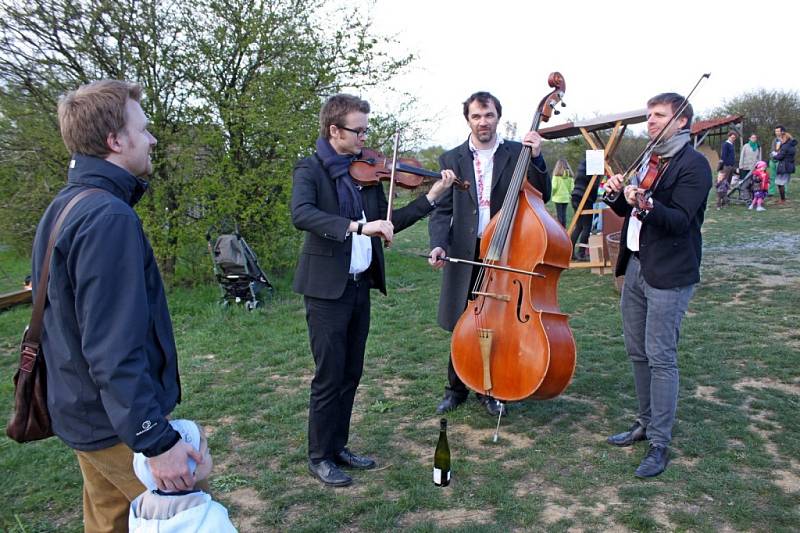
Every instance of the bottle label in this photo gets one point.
(437, 475)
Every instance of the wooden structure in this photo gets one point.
(589, 130)
(716, 131)
(14, 298)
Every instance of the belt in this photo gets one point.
(636, 255)
(356, 277)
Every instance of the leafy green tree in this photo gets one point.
(232, 89)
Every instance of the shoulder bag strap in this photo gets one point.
(34, 332)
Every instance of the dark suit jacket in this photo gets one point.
(454, 224)
(324, 261)
(670, 244)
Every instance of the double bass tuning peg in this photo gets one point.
(563, 104)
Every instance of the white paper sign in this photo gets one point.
(595, 162)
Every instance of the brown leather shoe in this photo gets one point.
(626, 438)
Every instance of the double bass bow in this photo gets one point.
(512, 341)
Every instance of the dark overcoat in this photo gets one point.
(454, 223)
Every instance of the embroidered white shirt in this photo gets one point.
(483, 163)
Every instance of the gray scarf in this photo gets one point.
(666, 149)
(670, 147)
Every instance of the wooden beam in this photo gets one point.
(15, 298)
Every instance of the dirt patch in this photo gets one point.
(768, 383)
(448, 518)
(249, 505)
(559, 506)
(706, 393)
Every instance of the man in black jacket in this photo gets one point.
(112, 369)
(341, 260)
(486, 162)
(660, 251)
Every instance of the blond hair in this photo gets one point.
(562, 168)
(90, 113)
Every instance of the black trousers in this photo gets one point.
(337, 330)
(580, 234)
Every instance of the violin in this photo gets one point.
(371, 167)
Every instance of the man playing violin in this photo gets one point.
(341, 260)
(661, 263)
(486, 162)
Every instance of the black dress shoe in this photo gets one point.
(626, 438)
(348, 458)
(654, 462)
(329, 473)
(450, 402)
(493, 407)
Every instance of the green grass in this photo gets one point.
(246, 376)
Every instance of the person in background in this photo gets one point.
(583, 226)
(784, 153)
(751, 154)
(563, 183)
(760, 186)
(728, 156)
(170, 511)
(722, 191)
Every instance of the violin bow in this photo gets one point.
(391, 177)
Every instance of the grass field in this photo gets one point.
(736, 455)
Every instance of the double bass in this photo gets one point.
(512, 341)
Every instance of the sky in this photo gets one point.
(614, 55)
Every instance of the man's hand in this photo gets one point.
(379, 228)
(632, 193)
(433, 258)
(448, 178)
(614, 183)
(534, 140)
(171, 469)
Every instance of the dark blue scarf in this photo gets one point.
(338, 166)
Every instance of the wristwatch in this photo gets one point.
(360, 227)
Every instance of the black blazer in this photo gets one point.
(324, 261)
(670, 244)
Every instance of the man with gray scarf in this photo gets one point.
(661, 264)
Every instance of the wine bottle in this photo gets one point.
(441, 458)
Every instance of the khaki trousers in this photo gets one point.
(109, 487)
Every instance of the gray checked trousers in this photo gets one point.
(651, 322)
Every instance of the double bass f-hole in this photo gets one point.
(520, 295)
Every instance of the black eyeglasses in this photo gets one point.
(358, 132)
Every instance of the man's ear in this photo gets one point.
(113, 143)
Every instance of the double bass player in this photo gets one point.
(485, 161)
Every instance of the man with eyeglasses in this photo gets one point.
(486, 162)
(341, 260)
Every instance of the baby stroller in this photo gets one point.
(741, 190)
(237, 271)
